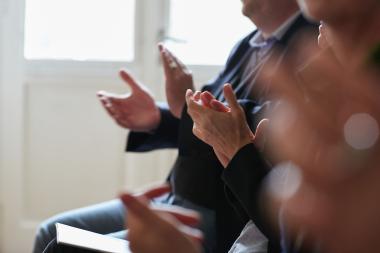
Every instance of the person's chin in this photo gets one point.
(244, 11)
(311, 9)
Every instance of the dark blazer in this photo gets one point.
(197, 173)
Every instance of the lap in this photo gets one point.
(97, 218)
(103, 218)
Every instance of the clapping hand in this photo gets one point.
(178, 79)
(161, 228)
(136, 110)
(224, 128)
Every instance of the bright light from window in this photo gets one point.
(207, 30)
(80, 30)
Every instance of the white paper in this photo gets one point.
(88, 240)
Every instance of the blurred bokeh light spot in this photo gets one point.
(284, 180)
(361, 131)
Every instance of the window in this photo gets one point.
(200, 32)
(203, 32)
(98, 30)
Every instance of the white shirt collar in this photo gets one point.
(258, 39)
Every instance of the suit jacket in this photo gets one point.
(197, 173)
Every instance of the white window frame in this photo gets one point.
(151, 26)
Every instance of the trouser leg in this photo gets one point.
(104, 218)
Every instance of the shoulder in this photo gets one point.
(300, 25)
(243, 43)
(240, 49)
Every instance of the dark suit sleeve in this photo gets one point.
(243, 179)
(165, 136)
(244, 176)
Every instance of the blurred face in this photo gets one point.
(335, 10)
(252, 8)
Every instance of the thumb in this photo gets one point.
(137, 207)
(230, 97)
(155, 191)
(260, 134)
(130, 80)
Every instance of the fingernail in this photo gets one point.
(189, 92)
(197, 95)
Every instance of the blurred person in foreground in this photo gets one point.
(195, 176)
(326, 124)
(333, 121)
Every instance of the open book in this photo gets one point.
(88, 240)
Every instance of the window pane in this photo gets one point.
(206, 29)
(80, 29)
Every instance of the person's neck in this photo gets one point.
(353, 41)
(268, 24)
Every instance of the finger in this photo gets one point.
(107, 105)
(100, 93)
(195, 110)
(206, 98)
(130, 80)
(138, 208)
(188, 96)
(120, 102)
(115, 107)
(230, 97)
(179, 63)
(197, 96)
(185, 216)
(106, 94)
(192, 233)
(192, 105)
(166, 62)
(160, 47)
(168, 219)
(106, 102)
(155, 192)
(219, 106)
(145, 215)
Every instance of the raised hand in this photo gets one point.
(224, 128)
(178, 79)
(160, 229)
(136, 110)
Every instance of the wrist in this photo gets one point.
(156, 120)
(245, 139)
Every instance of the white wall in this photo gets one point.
(2, 10)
